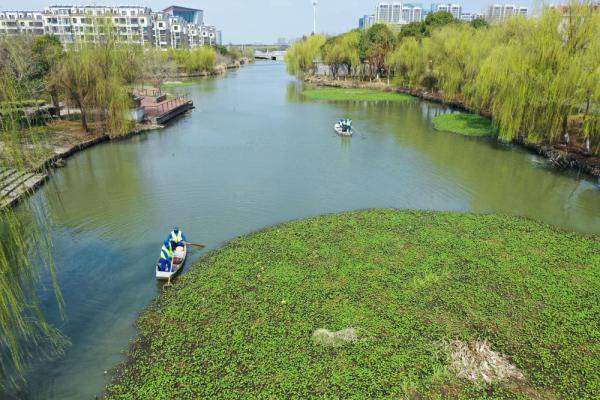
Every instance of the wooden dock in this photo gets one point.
(160, 110)
(15, 185)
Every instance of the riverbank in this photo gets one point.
(560, 156)
(374, 304)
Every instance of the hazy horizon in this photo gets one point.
(252, 21)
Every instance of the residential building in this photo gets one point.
(74, 23)
(412, 13)
(470, 17)
(383, 13)
(454, 9)
(502, 12)
(395, 14)
(175, 27)
(523, 11)
(21, 22)
(366, 21)
(190, 15)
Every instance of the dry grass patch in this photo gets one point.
(478, 363)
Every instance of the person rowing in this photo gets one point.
(176, 238)
(166, 256)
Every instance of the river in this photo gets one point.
(251, 155)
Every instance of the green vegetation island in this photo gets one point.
(464, 124)
(337, 94)
(378, 304)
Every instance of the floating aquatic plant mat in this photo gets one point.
(341, 94)
(465, 124)
(378, 304)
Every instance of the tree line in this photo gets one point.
(538, 78)
(93, 77)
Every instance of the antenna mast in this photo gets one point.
(314, 17)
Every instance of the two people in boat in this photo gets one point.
(175, 239)
(346, 125)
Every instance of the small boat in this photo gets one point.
(176, 264)
(343, 127)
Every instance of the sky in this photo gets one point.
(251, 21)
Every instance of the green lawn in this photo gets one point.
(337, 94)
(464, 124)
(397, 285)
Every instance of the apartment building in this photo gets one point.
(470, 17)
(454, 9)
(366, 21)
(88, 23)
(396, 13)
(170, 28)
(21, 22)
(502, 12)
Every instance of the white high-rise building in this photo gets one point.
(383, 13)
(132, 24)
(454, 9)
(470, 17)
(21, 22)
(502, 12)
(397, 13)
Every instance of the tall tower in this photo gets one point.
(314, 3)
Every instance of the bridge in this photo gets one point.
(274, 55)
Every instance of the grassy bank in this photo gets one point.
(464, 124)
(377, 304)
(339, 94)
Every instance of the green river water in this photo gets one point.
(254, 154)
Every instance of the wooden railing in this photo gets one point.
(165, 106)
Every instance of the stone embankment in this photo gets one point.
(15, 184)
(561, 157)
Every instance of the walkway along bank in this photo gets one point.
(152, 110)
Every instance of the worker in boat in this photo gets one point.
(166, 255)
(177, 238)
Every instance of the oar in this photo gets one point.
(360, 134)
(168, 284)
(200, 246)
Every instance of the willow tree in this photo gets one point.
(351, 49)
(24, 249)
(77, 77)
(156, 67)
(202, 60)
(409, 62)
(534, 84)
(47, 51)
(333, 54)
(301, 57)
(94, 75)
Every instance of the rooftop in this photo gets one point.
(181, 8)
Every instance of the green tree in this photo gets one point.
(414, 29)
(438, 19)
(301, 57)
(377, 44)
(47, 52)
(479, 23)
(409, 62)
